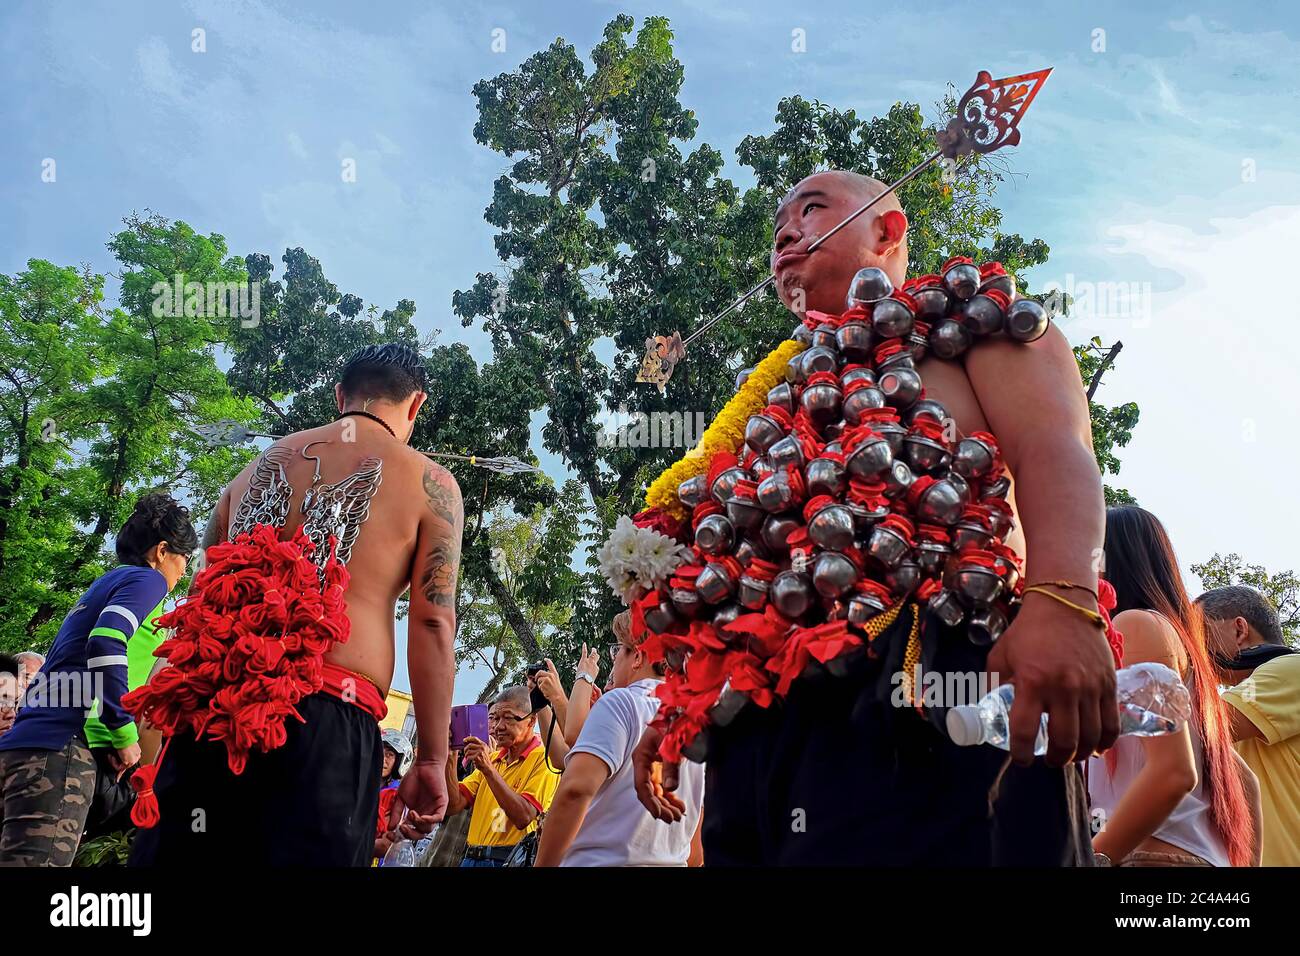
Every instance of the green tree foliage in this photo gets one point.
(290, 360)
(1282, 589)
(48, 332)
(99, 406)
(532, 559)
(1112, 426)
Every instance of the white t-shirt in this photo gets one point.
(618, 830)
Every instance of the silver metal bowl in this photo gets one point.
(869, 285)
(832, 527)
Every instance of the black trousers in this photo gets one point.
(838, 775)
(312, 802)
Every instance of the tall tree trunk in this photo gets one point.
(509, 608)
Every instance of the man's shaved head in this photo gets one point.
(878, 237)
(865, 188)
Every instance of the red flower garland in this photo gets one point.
(247, 645)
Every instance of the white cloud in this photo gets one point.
(158, 72)
(1165, 92)
(1215, 373)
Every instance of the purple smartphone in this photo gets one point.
(468, 720)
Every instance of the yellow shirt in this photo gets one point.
(1270, 699)
(529, 776)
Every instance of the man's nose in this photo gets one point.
(787, 235)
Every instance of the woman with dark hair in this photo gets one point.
(1181, 799)
(46, 768)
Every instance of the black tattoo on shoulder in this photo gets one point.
(438, 582)
(442, 502)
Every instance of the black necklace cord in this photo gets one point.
(373, 418)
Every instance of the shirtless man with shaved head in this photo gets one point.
(777, 791)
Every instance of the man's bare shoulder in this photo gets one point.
(280, 449)
(441, 492)
(1052, 346)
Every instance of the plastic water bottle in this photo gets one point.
(408, 852)
(401, 853)
(422, 847)
(1152, 702)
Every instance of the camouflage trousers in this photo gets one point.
(45, 798)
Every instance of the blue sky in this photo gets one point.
(1160, 163)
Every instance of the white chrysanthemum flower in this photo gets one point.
(633, 560)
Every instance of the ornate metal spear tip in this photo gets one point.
(662, 353)
(502, 465)
(988, 118)
(989, 113)
(226, 433)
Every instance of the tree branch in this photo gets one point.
(1101, 369)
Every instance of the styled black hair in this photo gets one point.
(1237, 600)
(391, 371)
(9, 665)
(157, 517)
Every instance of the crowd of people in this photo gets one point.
(1189, 799)
(242, 725)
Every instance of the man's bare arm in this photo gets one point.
(432, 629)
(1033, 400)
(214, 533)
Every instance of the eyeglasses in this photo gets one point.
(497, 718)
(614, 650)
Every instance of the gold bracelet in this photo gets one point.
(1094, 617)
(1068, 585)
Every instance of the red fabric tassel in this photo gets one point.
(144, 813)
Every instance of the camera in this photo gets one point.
(539, 701)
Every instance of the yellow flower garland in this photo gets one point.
(727, 432)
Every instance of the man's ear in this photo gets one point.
(416, 403)
(890, 232)
(1241, 633)
(338, 396)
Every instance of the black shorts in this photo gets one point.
(312, 802)
(837, 775)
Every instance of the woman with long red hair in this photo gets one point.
(1185, 799)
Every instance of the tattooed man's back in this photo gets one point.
(356, 491)
(410, 538)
